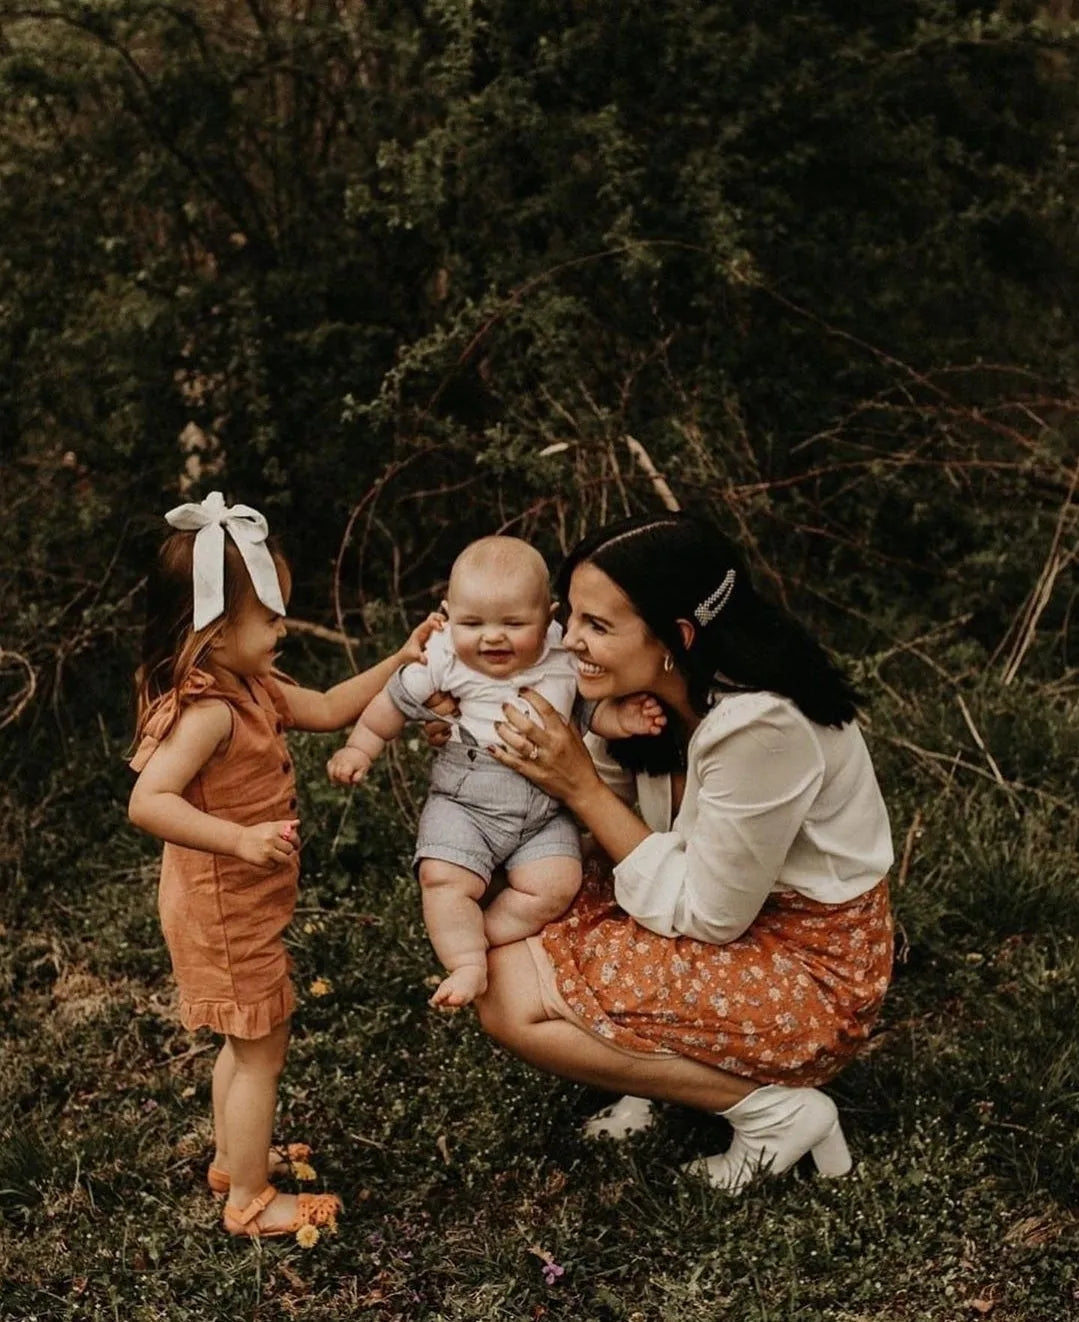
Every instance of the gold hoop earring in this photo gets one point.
(668, 664)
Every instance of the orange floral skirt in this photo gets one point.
(791, 1001)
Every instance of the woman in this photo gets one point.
(739, 953)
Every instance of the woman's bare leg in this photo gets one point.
(511, 1011)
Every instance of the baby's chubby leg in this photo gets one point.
(454, 921)
(538, 892)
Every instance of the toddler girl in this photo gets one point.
(216, 784)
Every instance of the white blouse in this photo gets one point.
(772, 802)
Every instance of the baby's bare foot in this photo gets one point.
(461, 987)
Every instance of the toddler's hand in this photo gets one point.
(269, 843)
(417, 639)
(640, 713)
(348, 766)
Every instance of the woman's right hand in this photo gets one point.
(268, 844)
(549, 750)
(438, 732)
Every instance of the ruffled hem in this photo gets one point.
(248, 1022)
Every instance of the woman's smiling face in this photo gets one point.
(616, 652)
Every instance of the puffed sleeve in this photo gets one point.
(759, 768)
(165, 712)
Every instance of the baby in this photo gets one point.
(480, 815)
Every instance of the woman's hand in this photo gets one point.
(548, 751)
(438, 732)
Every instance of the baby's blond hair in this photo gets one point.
(505, 557)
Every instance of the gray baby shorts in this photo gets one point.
(480, 815)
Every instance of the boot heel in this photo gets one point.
(831, 1155)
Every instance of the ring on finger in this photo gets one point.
(533, 755)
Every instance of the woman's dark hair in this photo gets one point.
(678, 567)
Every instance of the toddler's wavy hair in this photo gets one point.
(171, 648)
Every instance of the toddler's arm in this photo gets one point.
(381, 721)
(619, 718)
(157, 804)
(337, 707)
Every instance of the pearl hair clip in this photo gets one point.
(710, 607)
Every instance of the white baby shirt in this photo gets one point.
(479, 696)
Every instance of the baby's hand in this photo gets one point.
(348, 766)
(269, 843)
(417, 639)
(640, 713)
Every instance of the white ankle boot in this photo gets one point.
(629, 1115)
(773, 1127)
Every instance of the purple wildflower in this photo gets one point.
(552, 1271)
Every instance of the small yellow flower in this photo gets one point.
(307, 1237)
(302, 1171)
(321, 987)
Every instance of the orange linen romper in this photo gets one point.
(224, 920)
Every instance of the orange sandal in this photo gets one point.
(280, 1162)
(312, 1209)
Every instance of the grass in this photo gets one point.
(463, 1171)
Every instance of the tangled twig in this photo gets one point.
(18, 704)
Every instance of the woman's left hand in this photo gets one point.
(547, 750)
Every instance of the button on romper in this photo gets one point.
(224, 920)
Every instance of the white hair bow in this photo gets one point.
(249, 530)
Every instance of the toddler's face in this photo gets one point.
(498, 624)
(248, 643)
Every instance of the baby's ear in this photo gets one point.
(554, 610)
(444, 607)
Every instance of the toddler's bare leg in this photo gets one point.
(454, 920)
(224, 1069)
(247, 1115)
(537, 893)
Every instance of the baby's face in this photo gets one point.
(498, 624)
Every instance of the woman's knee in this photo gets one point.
(512, 1000)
